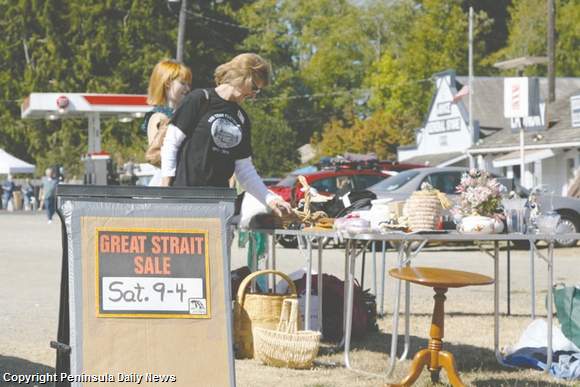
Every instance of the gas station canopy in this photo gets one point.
(55, 106)
(68, 105)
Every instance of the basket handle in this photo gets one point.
(251, 276)
(289, 316)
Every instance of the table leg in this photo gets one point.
(395, 325)
(362, 270)
(349, 305)
(254, 255)
(269, 277)
(308, 286)
(408, 256)
(550, 301)
(533, 280)
(273, 262)
(383, 276)
(348, 247)
(374, 250)
(496, 306)
(509, 281)
(496, 302)
(320, 284)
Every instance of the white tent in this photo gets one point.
(12, 165)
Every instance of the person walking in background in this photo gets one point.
(213, 132)
(170, 81)
(49, 183)
(7, 192)
(28, 193)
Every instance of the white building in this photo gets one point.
(552, 151)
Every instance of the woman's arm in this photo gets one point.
(173, 139)
(249, 180)
(153, 126)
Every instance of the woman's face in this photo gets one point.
(250, 88)
(176, 90)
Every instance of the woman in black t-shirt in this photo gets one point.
(209, 137)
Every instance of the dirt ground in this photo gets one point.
(30, 276)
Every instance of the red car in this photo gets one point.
(339, 180)
(329, 182)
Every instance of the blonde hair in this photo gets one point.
(248, 68)
(165, 72)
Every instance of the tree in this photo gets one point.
(273, 142)
(319, 53)
(381, 134)
(100, 47)
(528, 36)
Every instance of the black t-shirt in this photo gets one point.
(217, 134)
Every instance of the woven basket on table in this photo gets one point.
(253, 310)
(424, 208)
(286, 346)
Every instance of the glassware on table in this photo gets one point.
(515, 214)
(548, 222)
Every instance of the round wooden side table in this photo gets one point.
(432, 356)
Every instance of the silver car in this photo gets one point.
(445, 179)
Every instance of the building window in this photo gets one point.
(443, 140)
(443, 108)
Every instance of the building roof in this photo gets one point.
(488, 98)
(438, 159)
(559, 132)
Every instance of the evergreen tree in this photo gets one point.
(95, 46)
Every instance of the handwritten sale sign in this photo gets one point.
(152, 273)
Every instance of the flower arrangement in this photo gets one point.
(480, 194)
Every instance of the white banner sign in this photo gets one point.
(151, 293)
(521, 97)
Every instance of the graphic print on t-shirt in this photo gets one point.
(225, 130)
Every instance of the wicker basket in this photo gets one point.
(423, 209)
(253, 310)
(287, 347)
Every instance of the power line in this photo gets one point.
(322, 95)
(312, 96)
(217, 21)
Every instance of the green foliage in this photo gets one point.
(357, 75)
(528, 36)
(568, 39)
(273, 142)
(319, 53)
(92, 46)
(381, 134)
(435, 41)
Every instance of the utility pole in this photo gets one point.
(551, 52)
(471, 86)
(181, 30)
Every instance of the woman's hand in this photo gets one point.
(279, 206)
(166, 181)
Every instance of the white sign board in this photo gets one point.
(150, 293)
(521, 97)
(530, 123)
(575, 110)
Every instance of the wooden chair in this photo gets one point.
(433, 357)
